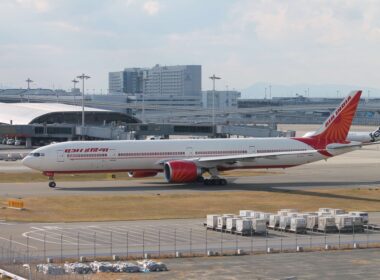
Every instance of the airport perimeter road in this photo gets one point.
(352, 170)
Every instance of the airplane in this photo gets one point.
(363, 137)
(186, 161)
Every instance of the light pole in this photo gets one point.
(213, 78)
(83, 77)
(29, 81)
(270, 91)
(145, 85)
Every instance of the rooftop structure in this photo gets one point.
(48, 113)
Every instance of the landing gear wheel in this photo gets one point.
(215, 182)
(52, 185)
(200, 179)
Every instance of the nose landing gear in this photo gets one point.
(52, 183)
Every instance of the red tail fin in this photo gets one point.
(336, 127)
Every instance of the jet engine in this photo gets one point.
(177, 171)
(141, 174)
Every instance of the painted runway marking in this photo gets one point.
(16, 242)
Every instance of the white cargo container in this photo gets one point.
(298, 225)
(358, 223)
(303, 215)
(259, 226)
(222, 220)
(231, 223)
(284, 222)
(335, 212)
(274, 221)
(344, 222)
(292, 214)
(244, 226)
(256, 214)
(312, 222)
(323, 211)
(284, 212)
(311, 213)
(245, 213)
(212, 221)
(265, 216)
(364, 215)
(326, 224)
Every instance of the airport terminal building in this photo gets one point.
(42, 123)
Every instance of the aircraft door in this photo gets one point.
(189, 152)
(60, 156)
(252, 150)
(112, 155)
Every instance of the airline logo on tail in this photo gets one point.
(336, 127)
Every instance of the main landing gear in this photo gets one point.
(214, 180)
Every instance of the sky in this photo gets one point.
(244, 42)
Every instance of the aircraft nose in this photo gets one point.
(30, 162)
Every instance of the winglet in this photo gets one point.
(337, 126)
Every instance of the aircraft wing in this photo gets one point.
(216, 160)
(248, 157)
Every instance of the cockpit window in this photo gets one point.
(37, 154)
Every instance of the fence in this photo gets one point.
(71, 245)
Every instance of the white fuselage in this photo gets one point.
(134, 155)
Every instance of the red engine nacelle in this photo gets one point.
(142, 174)
(177, 171)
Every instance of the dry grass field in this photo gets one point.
(190, 205)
